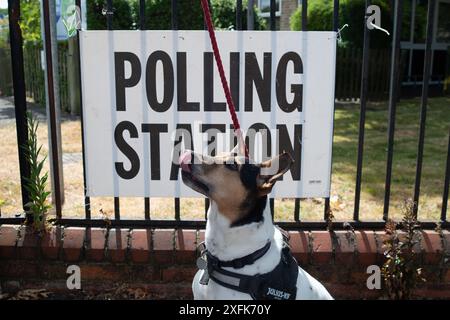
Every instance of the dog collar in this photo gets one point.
(237, 263)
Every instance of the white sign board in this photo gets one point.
(149, 94)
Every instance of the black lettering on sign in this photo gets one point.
(266, 140)
(208, 84)
(155, 164)
(150, 81)
(296, 89)
(295, 151)
(121, 82)
(235, 68)
(262, 81)
(183, 133)
(183, 104)
(212, 130)
(127, 150)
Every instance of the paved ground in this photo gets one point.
(7, 117)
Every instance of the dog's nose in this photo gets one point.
(185, 160)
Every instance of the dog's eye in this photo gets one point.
(231, 166)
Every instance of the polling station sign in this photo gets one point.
(147, 95)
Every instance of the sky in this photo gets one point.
(3, 3)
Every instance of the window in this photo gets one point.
(264, 7)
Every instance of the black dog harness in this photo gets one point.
(278, 284)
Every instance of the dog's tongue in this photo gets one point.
(185, 161)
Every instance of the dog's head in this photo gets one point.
(238, 187)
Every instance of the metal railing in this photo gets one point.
(177, 222)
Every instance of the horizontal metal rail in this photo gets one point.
(201, 224)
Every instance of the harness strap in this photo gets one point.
(262, 286)
(238, 262)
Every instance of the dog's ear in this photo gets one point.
(271, 171)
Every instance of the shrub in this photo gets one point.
(320, 18)
(224, 15)
(123, 18)
(36, 184)
(401, 270)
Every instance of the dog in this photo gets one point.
(240, 229)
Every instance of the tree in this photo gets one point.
(30, 20)
(123, 18)
(224, 15)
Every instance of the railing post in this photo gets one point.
(20, 103)
(53, 110)
(326, 213)
(362, 115)
(87, 200)
(446, 183)
(393, 88)
(424, 101)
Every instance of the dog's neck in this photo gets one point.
(228, 243)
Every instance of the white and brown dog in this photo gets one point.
(245, 254)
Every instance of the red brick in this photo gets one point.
(141, 242)
(322, 247)
(446, 241)
(117, 244)
(8, 240)
(299, 242)
(95, 240)
(28, 244)
(102, 272)
(163, 246)
(345, 247)
(380, 237)
(367, 248)
(73, 243)
(51, 243)
(144, 272)
(447, 276)
(185, 246)
(201, 236)
(177, 274)
(432, 245)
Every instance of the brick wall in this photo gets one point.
(162, 262)
(287, 9)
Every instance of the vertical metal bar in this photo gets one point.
(326, 212)
(272, 28)
(52, 109)
(297, 209)
(174, 14)
(250, 16)
(87, 200)
(336, 15)
(109, 25)
(273, 25)
(142, 15)
(174, 22)
(238, 14)
(393, 88)
(109, 14)
(424, 101)
(20, 103)
(362, 115)
(142, 26)
(304, 15)
(446, 183)
(206, 199)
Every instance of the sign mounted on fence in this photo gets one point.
(147, 95)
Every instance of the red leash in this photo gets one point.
(226, 88)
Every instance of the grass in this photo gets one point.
(343, 174)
